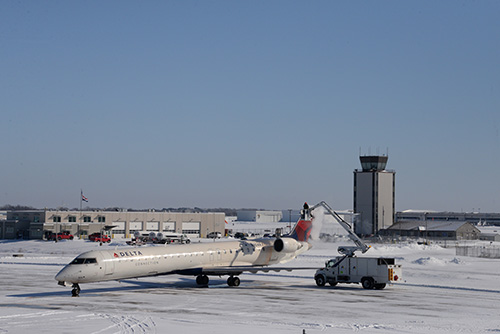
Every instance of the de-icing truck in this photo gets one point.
(371, 272)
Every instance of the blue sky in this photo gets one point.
(260, 104)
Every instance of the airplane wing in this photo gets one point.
(237, 270)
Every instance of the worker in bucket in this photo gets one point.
(304, 213)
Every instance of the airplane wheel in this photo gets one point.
(236, 281)
(233, 281)
(76, 290)
(202, 280)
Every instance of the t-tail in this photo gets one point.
(302, 230)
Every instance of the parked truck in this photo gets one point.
(371, 272)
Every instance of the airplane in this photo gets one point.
(196, 259)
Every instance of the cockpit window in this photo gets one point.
(80, 260)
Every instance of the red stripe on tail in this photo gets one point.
(302, 230)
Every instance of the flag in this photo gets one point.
(85, 199)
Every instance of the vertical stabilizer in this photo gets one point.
(302, 230)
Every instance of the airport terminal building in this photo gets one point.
(35, 224)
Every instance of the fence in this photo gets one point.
(478, 251)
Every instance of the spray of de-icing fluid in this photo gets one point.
(319, 217)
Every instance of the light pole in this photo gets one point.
(55, 218)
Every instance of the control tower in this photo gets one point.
(374, 195)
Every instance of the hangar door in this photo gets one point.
(169, 227)
(119, 230)
(191, 229)
(135, 227)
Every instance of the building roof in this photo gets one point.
(419, 211)
(449, 226)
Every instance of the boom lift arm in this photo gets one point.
(345, 250)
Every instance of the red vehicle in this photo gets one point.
(62, 235)
(98, 237)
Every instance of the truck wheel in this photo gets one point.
(367, 283)
(380, 286)
(320, 280)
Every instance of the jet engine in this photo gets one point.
(287, 245)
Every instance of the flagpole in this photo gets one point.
(81, 198)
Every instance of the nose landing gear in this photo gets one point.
(76, 290)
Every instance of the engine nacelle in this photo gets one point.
(286, 245)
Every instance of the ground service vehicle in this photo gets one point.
(158, 238)
(98, 237)
(214, 235)
(174, 237)
(371, 272)
(62, 235)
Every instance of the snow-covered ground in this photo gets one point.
(442, 293)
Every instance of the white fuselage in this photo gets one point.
(95, 266)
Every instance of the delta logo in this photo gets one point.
(130, 253)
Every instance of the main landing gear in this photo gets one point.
(233, 281)
(202, 280)
(76, 290)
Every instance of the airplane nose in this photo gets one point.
(59, 276)
(62, 275)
